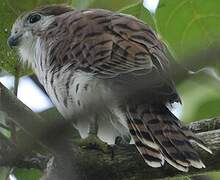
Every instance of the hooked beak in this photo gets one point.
(13, 40)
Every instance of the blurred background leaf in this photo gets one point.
(189, 25)
(113, 5)
(27, 174)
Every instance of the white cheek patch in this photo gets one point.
(27, 35)
(27, 48)
(25, 55)
(30, 45)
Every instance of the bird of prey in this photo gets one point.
(111, 70)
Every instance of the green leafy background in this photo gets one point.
(187, 26)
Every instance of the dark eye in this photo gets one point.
(34, 18)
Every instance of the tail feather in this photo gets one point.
(152, 156)
(141, 130)
(186, 155)
(172, 154)
(159, 134)
(192, 138)
(187, 132)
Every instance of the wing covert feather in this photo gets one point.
(109, 44)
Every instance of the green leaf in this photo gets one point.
(113, 5)
(214, 175)
(131, 7)
(27, 174)
(8, 59)
(198, 98)
(189, 25)
(140, 12)
(208, 108)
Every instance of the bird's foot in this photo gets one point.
(93, 142)
(125, 140)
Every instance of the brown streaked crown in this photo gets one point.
(54, 9)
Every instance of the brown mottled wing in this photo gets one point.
(135, 42)
(125, 54)
(134, 47)
(137, 48)
(110, 45)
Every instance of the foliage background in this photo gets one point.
(187, 27)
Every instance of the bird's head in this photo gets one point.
(28, 27)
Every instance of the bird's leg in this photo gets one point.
(92, 141)
(93, 129)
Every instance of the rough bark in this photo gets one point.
(68, 160)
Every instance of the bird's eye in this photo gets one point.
(34, 18)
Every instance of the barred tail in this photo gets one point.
(159, 136)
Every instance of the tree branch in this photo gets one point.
(53, 136)
(123, 162)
